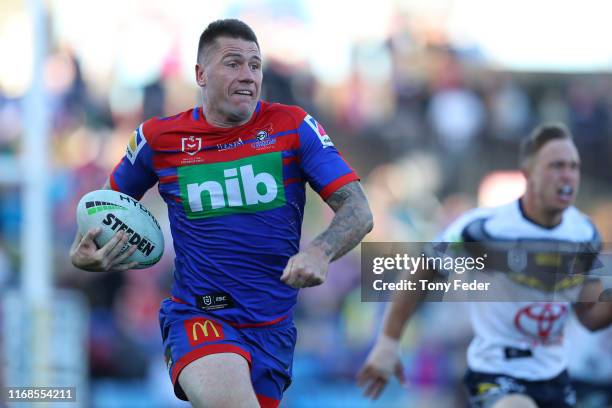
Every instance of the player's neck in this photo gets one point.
(536, 213)
(217, 120)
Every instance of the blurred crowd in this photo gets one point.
(423, 136)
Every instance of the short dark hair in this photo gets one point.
(541, 135)
(229, 27)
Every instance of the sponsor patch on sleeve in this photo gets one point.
(319, 131)
(137, 141)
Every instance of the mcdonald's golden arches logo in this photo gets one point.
(201, 330)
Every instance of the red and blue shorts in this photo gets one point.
(189, 334)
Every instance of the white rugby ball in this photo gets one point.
(114, 211)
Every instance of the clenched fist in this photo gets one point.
(306, 268)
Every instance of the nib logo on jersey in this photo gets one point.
(246, 185)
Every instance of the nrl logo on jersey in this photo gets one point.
(517, 259)
(191, 145)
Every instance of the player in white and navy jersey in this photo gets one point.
(516, 358)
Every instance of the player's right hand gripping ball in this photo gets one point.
(113, 211)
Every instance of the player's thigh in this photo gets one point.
(218, 380)
(515, 401)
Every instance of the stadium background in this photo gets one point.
(426, 99)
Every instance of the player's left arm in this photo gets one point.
(352, 221)
(594, 308)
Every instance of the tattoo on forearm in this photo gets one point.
(352, 221)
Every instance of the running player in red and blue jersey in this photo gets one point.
(233, 175)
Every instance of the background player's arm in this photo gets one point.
(352, 221)
(594, 309)
(404, 305)
(384, 358)
(85, 254)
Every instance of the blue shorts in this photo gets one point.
(189, 334)
(486, 389)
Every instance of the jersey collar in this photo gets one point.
(534, 222)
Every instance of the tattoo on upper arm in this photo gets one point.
(341, 195)
(336, 200)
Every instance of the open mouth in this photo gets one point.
(565, 192)
(244, 92)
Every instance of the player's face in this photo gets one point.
(554, 175)
(230, 78)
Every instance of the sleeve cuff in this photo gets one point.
(331, 188)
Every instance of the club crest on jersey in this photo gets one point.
(263, 140)
(191, 145)
(319, 131)
(135, 144)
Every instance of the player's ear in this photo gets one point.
(526, 167)
(200, 74)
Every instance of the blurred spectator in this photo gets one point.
(589, 120)
(510, 110)
(278, 77)
(456, 115)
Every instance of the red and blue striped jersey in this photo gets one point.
(235, 200)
